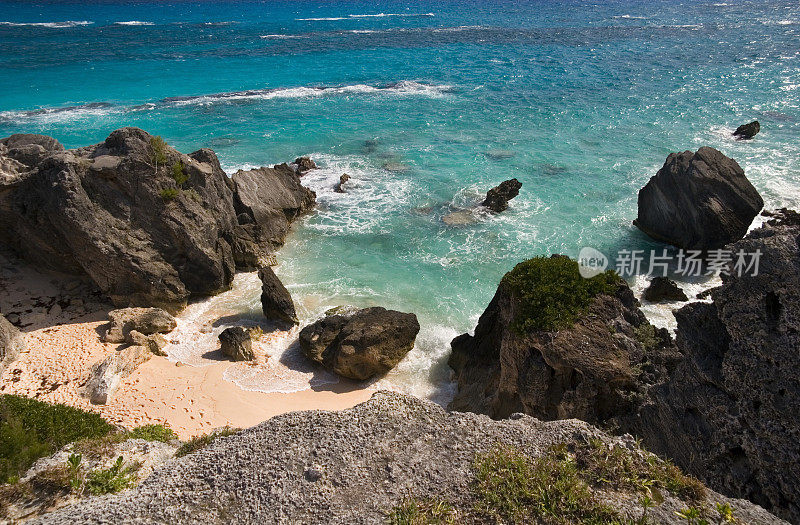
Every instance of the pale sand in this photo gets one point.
(64, 342)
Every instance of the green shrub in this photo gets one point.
(158, 151)
(513, 487)
(169, 193)
(418, 511)
(112, 479)
(179, 173)
(31, 429)
(552, 294)
(645, 333)
(152, 433)
(199, 442)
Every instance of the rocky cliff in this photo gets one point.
(150, 226)
(395, 458)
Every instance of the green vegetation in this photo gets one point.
(418, 511)
(179, 173)
(645, 333)
(199, 442)
(169, 193)
(603, 464)
(112, 479)
(513, 487)
(152, 433)
(158, 153)
(725, 513)
(31, 429)
(552, 294)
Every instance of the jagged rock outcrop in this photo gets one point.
(360, 344)
(354, 466)
(150, 226)
(276, 301)
(339, 188)
(145, 321)
(698, 201)
(266, 201)
(596, 369)
(663, 289)
(106, 375)
(497, 198)
(747, 131)
(12, 343)
(236, 343)
(728, 411)
(304, 165)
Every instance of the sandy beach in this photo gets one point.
(63, 320)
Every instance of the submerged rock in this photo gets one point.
(12, 342)
(276, 301)
(663, 289)
(237, 344)
(747, 131)
(497, 198)
(146, 321)
(698, 201)
(360, 344)
(459, 218)
(354, 466)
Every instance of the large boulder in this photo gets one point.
(663, 289)
(145, 321)
(360, 344)
(12, 342)
(106, 375)
(497, 198)
(747, 131)
(538, 351)
(237, 344)
(698, 201)
(266, 201)
(276, 301)
(728, 413)
(151, 226)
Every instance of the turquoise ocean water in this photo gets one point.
(426, 105)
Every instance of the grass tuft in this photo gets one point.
(199, 442)
(113, 479)
(422, 511)
(154, 432)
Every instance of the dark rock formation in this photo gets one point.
(276, 301)
(149, 225)
(11, 343)
(728, 411)
(237, 344)
(594, 370)
(663, 289)
(361, 344)
(354, 466)
(497, 198)
(266, 201)
(698, 201)
(146, 321)
(304, 165)
(747, 131)
(339, 188)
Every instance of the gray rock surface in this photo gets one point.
(349, 467)
(663, 289)
(698, 201)
(12, 342)
(276, 301)
(153, 342)
(747, 131)
(105, 211)
(497, 198)
(146, 321)
(236, 343)
(106, 375)
(360, 344)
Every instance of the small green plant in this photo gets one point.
(75, 478)
(645, 333)
(418, 511)
(725, 513)
(179, 173)
(112, 479)
(552, 294)
(158, 152)
(169, 193)
(199, 442)
(647, 503)
(152, 433)
(192, 194)
(692, 515)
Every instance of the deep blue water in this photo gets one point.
(427, 105)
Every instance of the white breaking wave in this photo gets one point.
(349, 17)
(323, 19)
(630, 17)
(134, 23)
(51, 25)
(56, 115)
(282, 37)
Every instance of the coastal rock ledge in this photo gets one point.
(151, 226)
(384, 456)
